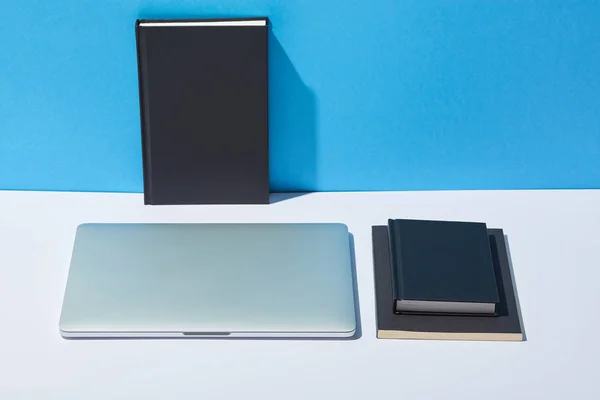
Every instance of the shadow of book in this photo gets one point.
(292, 125)
(514, 282)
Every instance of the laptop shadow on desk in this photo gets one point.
(357, 333)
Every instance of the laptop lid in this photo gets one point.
(217, 280)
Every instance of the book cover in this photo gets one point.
(444, 265)
(204, 110)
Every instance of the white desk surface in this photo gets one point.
(555, 247)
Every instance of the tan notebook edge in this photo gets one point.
(505, 337)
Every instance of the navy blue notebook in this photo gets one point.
(442, 267)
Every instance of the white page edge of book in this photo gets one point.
(206, 23)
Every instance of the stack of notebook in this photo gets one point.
(443, 280)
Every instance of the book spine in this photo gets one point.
(395, 241)
(144, 113)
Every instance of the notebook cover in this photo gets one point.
(204, 113)
(504, 326)
(441, 261)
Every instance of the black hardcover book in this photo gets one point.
(442, 267)
(505, 326)
(204, 110)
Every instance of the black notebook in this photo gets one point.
(204, 110)
(505, 326)
(442, 267)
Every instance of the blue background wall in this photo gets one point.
(365, 95)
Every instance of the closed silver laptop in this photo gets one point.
(210, 280)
